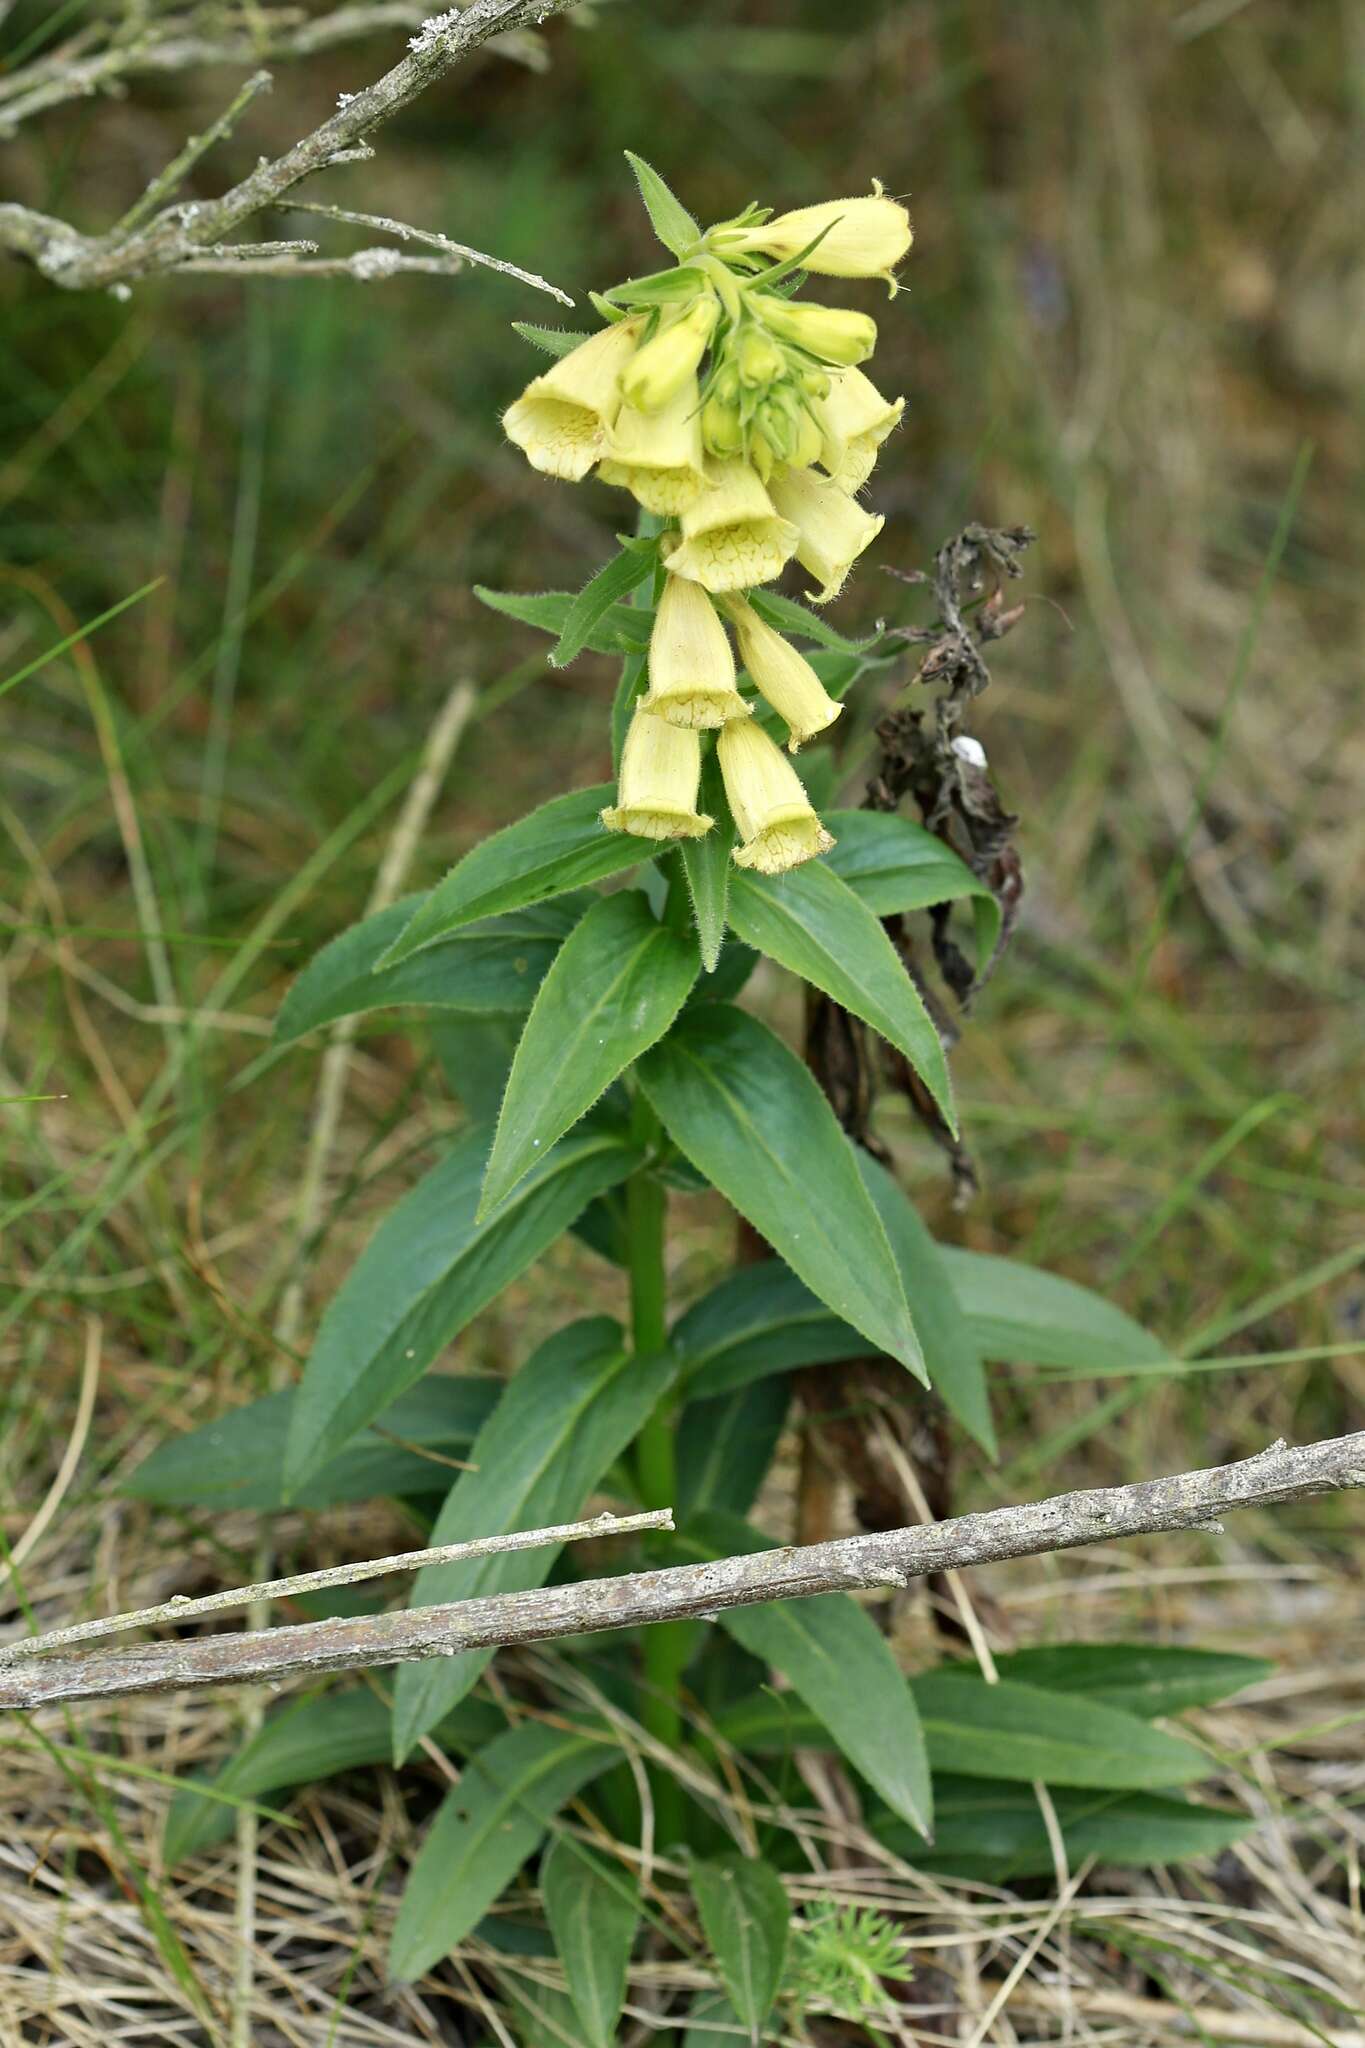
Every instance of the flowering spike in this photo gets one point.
(561, 420)
(854, 420)
(782, 674)
(691, 668)
(864, 237)
(658, 456)
(731, 536)
(670, 359)
(656, 790)
(832, 528)
(776, 822)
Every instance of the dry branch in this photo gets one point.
(190, 236)
(1188, 1500)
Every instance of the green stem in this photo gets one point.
(668, 1644)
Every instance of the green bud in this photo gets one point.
(722, 430)
(760, 360)
(657, 372)
(832, 333)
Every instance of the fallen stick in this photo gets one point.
(1188, 1500)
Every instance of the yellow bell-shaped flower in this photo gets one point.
(731, 536)
(864, 237)
(657, 456)
(670, 358)
(834, 334)
(778, 828)
(560, 422)
(832, 528)
(656, 789)
(691, 668)
(782, 674)
(854, 420)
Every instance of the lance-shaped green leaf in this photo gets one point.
(311, 1738)
(596, 599)
(1149, 1679)
(707, 865)
(756, 1321)
(622, 629)
(745, 1918)
(618, 983)
(429, 1268)
(556, 341)
(561, 1425)
(725, 1446)
(785, 615)
(671, 221)
(495, 1818)
(893, 865)
(741, 1106)
(956, 1372)
(839, 1663)
(494, 965)
(1021, 1313)
(558, 848)
(593, 1908)
(1021, 1732)
(237, 1460)
(813, 923)
(996, 1833)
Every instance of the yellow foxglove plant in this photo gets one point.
(737, 416)
(623, 1067)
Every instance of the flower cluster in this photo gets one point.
(740, 418)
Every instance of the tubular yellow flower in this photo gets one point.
(658, 455)
(656, 790)
(731, 536)
(833, 333)
(863, 237)
(855, 419)
(832, 528)
(657, 371)
(784, 676)
(770, 807)
(560, 421)
(691, 668)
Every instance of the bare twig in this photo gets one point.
(1188, 1500)
(190, 236)
(180, 1608)
(176, 45)
(180, 166)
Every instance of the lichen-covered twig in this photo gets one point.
(180, 1608)
(1188, 1500)
(192, 236)
(178, 42)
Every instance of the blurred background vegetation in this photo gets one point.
(1134, 319)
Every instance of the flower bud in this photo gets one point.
(656, 790)
(854, 419)
(783, 676)
(758, 358)
(731, 536)
(658, 455)
(560, 421)
(722, 429)
(691, 668)
(772, 813)
(832, 528)
(832, 333)
(657, 372)
(859, 237)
